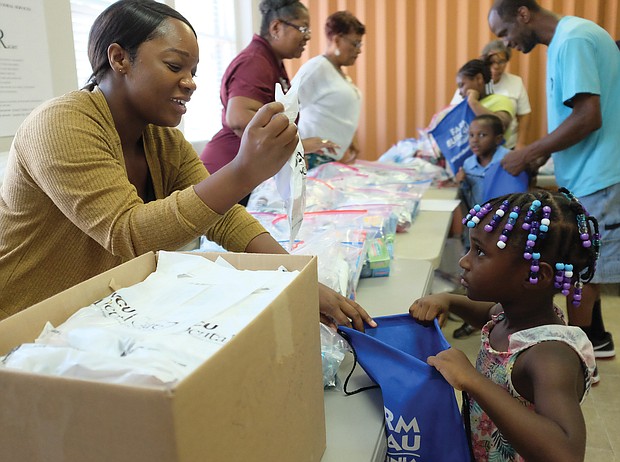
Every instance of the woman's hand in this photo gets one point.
(267, 143)
(337, 310)
(351, 154)
(319, 146)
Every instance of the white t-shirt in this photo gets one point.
(509, 85)
(329, 103)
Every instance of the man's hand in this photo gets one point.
(515, 162)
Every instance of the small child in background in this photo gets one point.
(523, 397)
(486, 134)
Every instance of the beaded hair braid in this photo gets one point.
(555, 226)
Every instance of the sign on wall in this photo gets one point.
(25, 71)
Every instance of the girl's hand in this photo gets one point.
(267, 143)
(430, 307)
(472, 95)
(454, 366)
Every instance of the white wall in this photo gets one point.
(62, 55)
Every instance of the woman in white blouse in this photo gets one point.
(330, 103)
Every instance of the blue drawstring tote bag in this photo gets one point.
(422, 419)
(498, 182)
(452, 135)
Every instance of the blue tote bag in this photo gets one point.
(498, 182)
(452, 135)
(422, 419)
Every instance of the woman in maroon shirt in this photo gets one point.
(250, 79)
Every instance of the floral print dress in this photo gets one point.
(487, 441)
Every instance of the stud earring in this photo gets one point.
(337, 52)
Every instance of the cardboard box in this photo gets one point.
(260, 398)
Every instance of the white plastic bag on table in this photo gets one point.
(291, 179)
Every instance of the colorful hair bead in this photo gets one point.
(559, 275)
(545, 221)
(532, 237)
(563, 278)
(582, 224)
(497, 217)
(577, 293)
(534, 268)
(476, 214)
(596, 242)
(584, 234)
(530, 213)
(508, 227)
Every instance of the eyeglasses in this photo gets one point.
(355, 43)
(499, 62)
(304, 30)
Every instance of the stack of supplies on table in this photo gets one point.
(353, 213)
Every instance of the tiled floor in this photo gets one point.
(602, 406)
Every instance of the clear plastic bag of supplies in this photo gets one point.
(319, 196)
(340, 260)
(333, 351)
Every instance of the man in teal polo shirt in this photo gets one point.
(583, 118)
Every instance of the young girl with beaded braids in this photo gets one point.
(533, 370)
